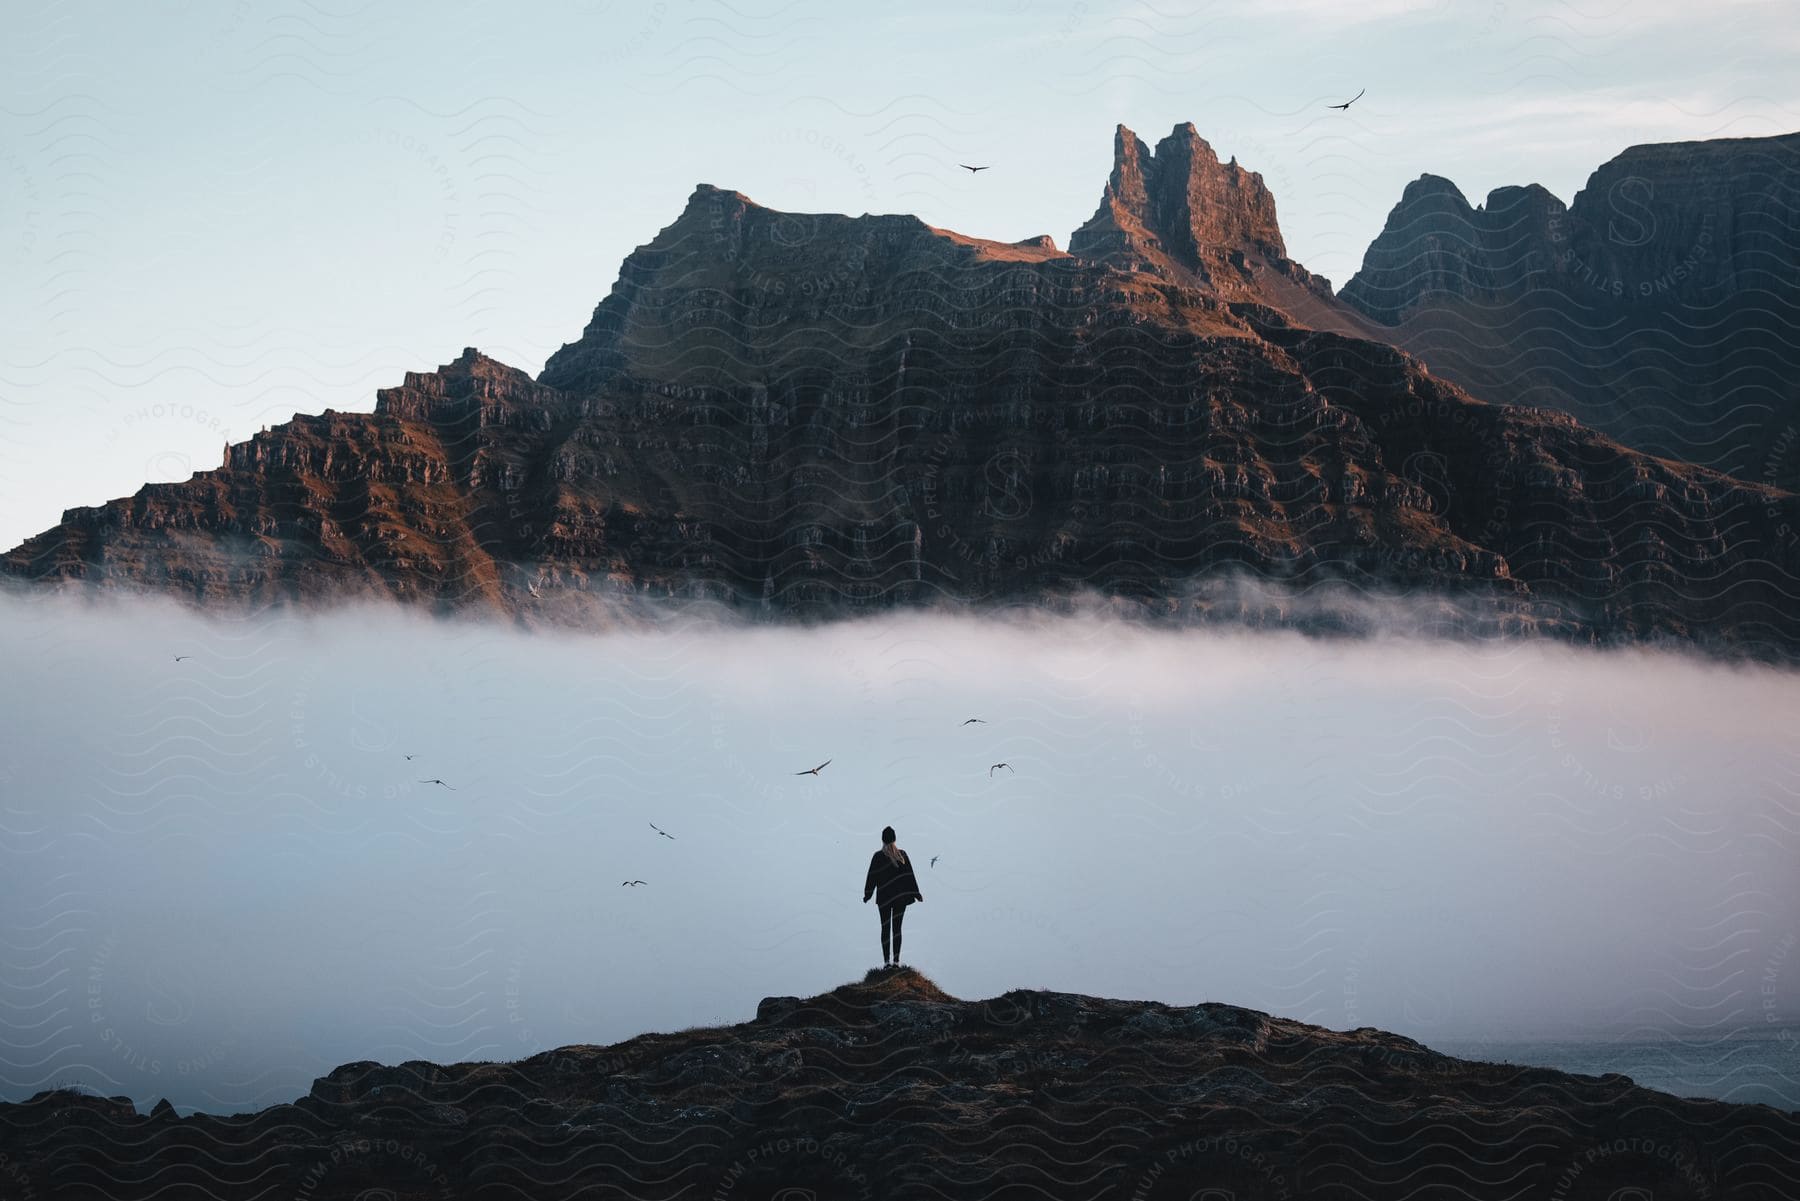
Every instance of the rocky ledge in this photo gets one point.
(891, 1088)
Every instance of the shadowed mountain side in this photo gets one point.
(892, 1088)
(733, 293)
(1660, 306)
(808, 414)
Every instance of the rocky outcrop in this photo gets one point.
(1178, 211)
(802, 415)
(891, 1088)
(1660, 306)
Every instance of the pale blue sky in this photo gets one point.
(215, 215)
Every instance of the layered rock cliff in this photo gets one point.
(1660, 306)
(803, 414)
(891, 1088)
(1181, 213)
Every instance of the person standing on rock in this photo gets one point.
(892, 883)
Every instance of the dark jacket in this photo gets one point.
(891, 884)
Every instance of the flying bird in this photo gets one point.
(410, 758)
(437, 782)
(813, 771)
(997, 767)
(972, 170)
(976, 721)
(630, 883)
(934, 860)
(663, 832)
(1349, 102)
(179, 658)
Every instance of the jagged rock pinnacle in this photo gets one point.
(1179, 211)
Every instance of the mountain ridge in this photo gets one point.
(1658, 306)
(804, 414)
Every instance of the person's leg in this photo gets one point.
(887, 922)
(899, 916)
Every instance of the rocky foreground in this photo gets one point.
(892, 1088)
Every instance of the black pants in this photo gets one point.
(891, 917)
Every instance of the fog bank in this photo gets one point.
(222, 877)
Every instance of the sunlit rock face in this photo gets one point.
(810, 414)
(1180, 212)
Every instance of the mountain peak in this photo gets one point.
(472, 362)
(1429, 187)
(1178, 211)
(704, 192)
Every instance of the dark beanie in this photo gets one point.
(887, 834)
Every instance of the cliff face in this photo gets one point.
(1660, 306)
(893, 1089)
(803, 414)
(1181, 213)
(417, 500)
(734, 293)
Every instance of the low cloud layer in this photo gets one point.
(222, 876)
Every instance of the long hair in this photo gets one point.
(895, 855)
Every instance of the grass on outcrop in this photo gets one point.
(898, 983)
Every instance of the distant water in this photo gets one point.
(1750, 1066)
